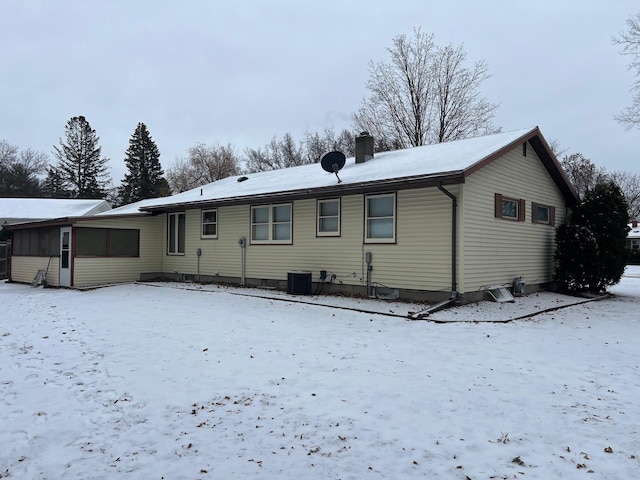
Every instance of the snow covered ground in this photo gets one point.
(169, 381)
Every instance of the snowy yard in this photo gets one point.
(163, 382)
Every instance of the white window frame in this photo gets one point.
(173, 219)
(536, 208)
(204, 223)
(505, 213)
(272, 225)
(501, 200)
(320, 218)
(368, 219)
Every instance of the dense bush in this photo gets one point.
(575, 257)
(602, 218)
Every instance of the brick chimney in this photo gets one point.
(364, 147)
(634, 223)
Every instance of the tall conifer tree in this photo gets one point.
(145, 178)
(80, 165)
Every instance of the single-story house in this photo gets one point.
(425, 223)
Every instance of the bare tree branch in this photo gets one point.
(629, 40)
(424, 94)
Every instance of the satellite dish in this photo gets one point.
(333, 162)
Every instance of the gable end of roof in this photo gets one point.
(548, 159)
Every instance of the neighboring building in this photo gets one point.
(633, 237)
(429, 222)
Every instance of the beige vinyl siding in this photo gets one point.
(421, 258)
(220, 256)
(341, 256)
(97, 271)
(24, 269)
(497, 250)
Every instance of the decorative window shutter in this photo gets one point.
(521, 212)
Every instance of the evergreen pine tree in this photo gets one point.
(604, 211)
(80, 166)
(53, 186)
(145, 178)
(575, 258)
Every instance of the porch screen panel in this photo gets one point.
(123, 242)
(91, 242)
(40, 242)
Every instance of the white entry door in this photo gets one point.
(65, 257)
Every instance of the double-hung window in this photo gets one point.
(380, 218)
(175, 233)
(209, 224)
(271, 224)
(328, 222)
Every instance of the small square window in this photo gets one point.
(509, 208)
(542, 214)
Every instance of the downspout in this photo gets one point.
(454, 240)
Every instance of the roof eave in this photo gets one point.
(339, 189)
(67, 221)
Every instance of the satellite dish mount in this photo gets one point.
(333, 162)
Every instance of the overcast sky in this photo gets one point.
(241, 72)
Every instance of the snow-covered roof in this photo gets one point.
(20, 210)
(452, 159)
(634, 232)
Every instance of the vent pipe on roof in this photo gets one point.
(364, 147)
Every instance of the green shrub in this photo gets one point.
(603, 218)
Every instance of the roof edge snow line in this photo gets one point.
(14, 210)
(446, 163)
(401, 183)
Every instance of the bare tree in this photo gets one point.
(20, 171)
(425, 94)
(204, 164)
(346, 143)
(582, 172)
(556, 149)
(629, 184)
(316, 145)
(629, 40)
(276, 154)
(8, 153)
